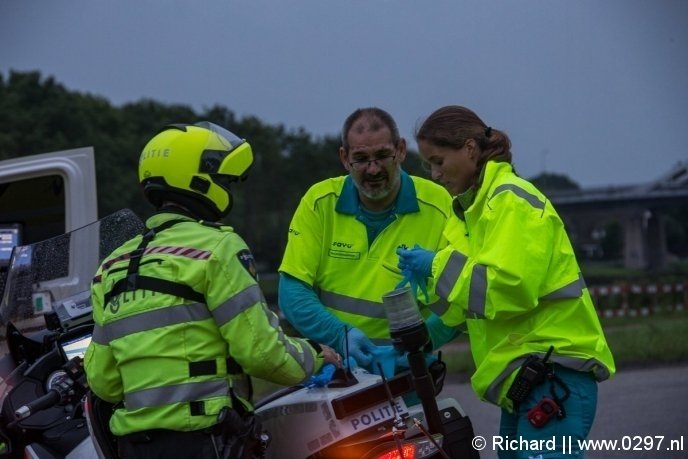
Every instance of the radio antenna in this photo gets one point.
(343, 377)
(399, 425)
(346, 347)
(346, 354)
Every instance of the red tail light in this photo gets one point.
(416, 448)
(409, 451)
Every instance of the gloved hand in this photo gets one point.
(416, 266)
(359, 347)
(322, 378)
(384, 361)
(401, 363)
(414, 284)
(440, 334)
(417, 260)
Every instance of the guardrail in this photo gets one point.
(634, 299)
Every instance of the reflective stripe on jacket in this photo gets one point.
(165, 357)
(514, 279)
(328, 248)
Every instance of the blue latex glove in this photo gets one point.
(385, 357)
(415, 284)
(359, 346)
(322, 378)
(416, 260)
(401, 363)
(440, 334)
(416, 267)
(350, 364)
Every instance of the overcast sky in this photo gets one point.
(593, 89)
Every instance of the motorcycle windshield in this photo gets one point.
(54, 275)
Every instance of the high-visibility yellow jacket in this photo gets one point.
(328, 248)
(514, 279)
(172, 360)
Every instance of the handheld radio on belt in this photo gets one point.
(533, 372)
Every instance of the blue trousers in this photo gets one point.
(554, 438)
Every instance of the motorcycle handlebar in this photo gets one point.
(51, 398)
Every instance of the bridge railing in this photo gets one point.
(639, 299)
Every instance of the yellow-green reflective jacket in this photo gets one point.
(328, 248)
(171, 361)
(514, 279)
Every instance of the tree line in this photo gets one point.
(39, 115)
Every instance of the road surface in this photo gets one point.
(644, 410)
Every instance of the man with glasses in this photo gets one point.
(341, 256)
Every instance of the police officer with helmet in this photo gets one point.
(179, 315)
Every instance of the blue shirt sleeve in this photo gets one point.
(302, 308)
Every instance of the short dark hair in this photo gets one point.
(379, 119)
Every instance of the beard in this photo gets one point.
(377, 187)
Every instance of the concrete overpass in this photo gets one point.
(639, 209)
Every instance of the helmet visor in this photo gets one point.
(232, 160)
(233, 140)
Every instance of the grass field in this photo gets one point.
(637, 341)
(649, 340)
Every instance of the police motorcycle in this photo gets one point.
(352, 413)
(48, 412)
(348, 412)
(45, 317)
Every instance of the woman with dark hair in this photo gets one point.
(512, 279)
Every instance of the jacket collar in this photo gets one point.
(488, 175)
(406, 202)
(161, 217)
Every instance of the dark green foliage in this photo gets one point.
(39, 115)
(553, 182)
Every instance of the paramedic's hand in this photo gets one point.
(417, 260)
(401, 362)
(359, 347)
(416, 266)
(440, 334)
(414, 284)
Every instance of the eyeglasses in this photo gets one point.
(382, 160)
